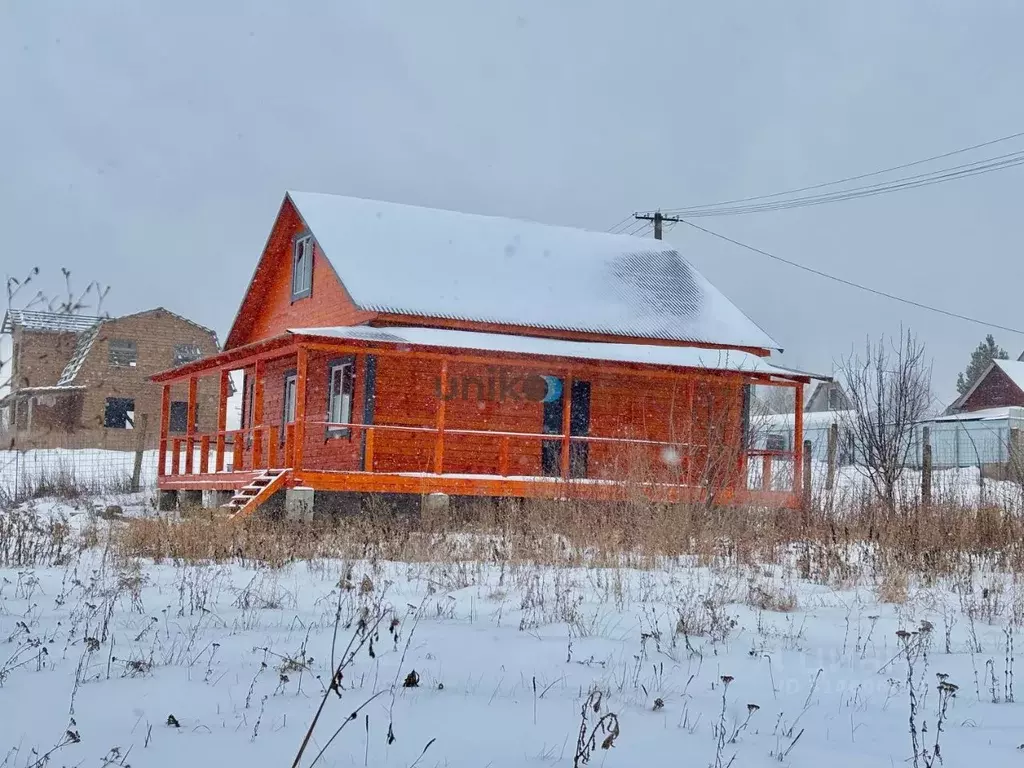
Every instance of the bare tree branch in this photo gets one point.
(889, 388)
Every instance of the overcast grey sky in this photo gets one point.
(147, 145)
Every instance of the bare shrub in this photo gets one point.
(889, 388)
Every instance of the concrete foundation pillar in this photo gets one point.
(190, 499)
(298, 504)
(214, 499)
(167, 501)
(435, 506)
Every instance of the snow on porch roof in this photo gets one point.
(684, 357)
(435, 263)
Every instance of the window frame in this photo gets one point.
(341, 364)
(129, 422)
(302, 282)
(291, 375)
(112, 355)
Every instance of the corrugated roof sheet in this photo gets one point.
(684, 357)
(56, 322)
(435, 263)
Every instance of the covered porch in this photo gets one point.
(422, 411)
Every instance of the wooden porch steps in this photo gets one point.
(258, 490)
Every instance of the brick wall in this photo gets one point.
(996, 390)
(40, 357)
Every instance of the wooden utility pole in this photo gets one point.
(658, 220)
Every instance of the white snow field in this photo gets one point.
(108, 660)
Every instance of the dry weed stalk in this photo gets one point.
(606, 725)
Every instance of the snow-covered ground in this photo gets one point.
(176, 664)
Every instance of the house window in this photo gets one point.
(186, 353)
(179, 416)
(340, 386)
(123, 353)
(290, 384)
(302, 267)
(119, 413)
(775, 443)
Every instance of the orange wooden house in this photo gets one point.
(393, 349)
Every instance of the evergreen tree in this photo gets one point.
(982, 355)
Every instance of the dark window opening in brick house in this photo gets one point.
(119, 413)
(123, 353)
(186, 353)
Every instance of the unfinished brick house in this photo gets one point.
(84, 382)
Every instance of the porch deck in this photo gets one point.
(239, 456)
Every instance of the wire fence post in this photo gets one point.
(140, 449)
(926, 467)
(833, 446)
(806, 479)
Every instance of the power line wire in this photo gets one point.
(860, 176)
(621, 225)
(852, 284)
(976, 168)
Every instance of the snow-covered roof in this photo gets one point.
(1014, 369)
(435, 263)
(812, 419)
(56, 322)
(685, 357)
(984, 414)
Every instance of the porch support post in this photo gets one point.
(222, 419)
(439, 440)
(165, 424)
(798, 438)
(300, 405)
(190, 426)
(259, 373)
(566, 423)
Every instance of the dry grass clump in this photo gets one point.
(29, 540)
(768, 596)
(834, 548)
(893, 586)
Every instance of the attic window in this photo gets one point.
(123, 353)
(186, 353)
(302, 267)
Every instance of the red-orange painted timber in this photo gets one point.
(454, 420)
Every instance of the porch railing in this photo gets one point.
(267, 447)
